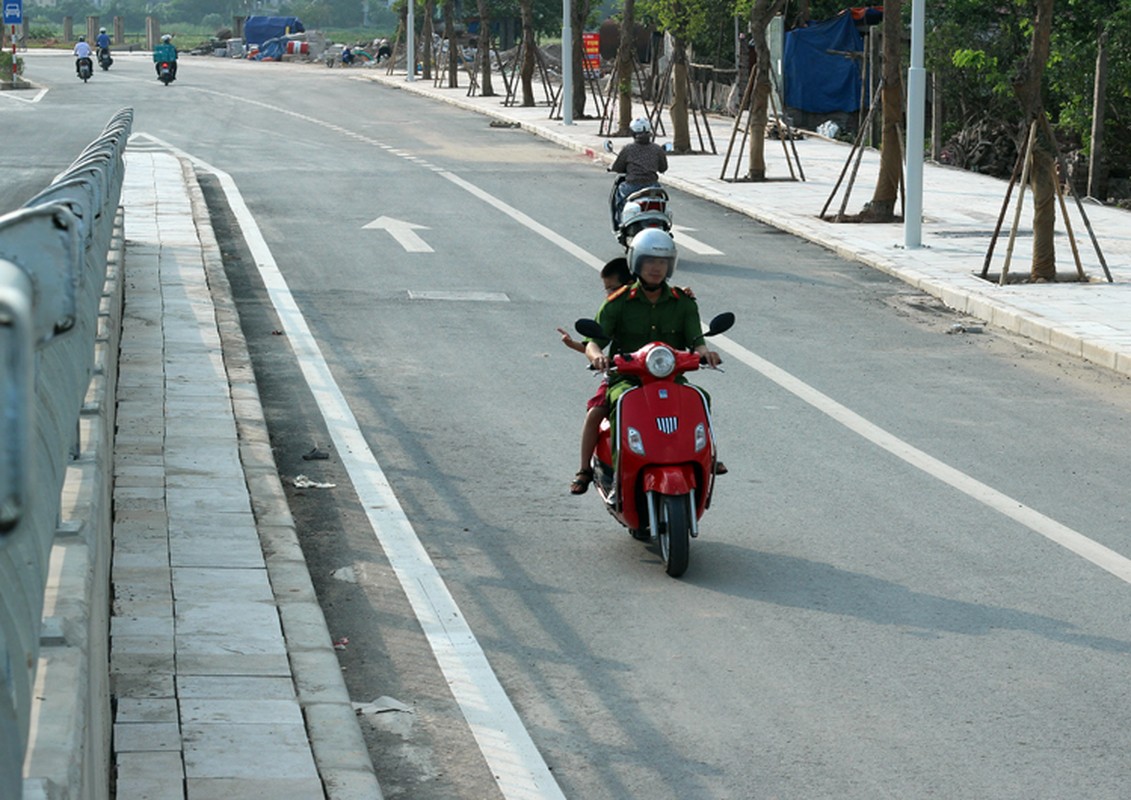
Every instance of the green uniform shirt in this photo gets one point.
(632, 321)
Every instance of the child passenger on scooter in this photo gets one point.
(614, 275)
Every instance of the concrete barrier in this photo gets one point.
(60, 315)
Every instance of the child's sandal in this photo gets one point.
(581, 481)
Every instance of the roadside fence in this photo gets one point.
(60, 315)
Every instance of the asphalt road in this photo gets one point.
(859, 620)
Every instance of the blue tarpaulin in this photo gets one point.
(817, 80)
(257, 30)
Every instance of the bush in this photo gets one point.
(6, 65)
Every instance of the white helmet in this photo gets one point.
(651, 243)
(102, 30)
(641, 129)
(166, 38)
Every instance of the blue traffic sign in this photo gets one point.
(13, 12)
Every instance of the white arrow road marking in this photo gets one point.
(403, 232)
(693, 244)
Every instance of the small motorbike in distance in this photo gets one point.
(165, 73)
(104, 59)
(86, 69)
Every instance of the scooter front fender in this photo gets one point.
(671, 479)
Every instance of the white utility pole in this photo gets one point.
(410, 43)
(916, 113)
(567, 65)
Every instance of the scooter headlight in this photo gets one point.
(635, 441)
(700, 437)
(660, 362)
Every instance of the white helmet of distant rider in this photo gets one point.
(651, 243)
(166, 38)
(641, 130)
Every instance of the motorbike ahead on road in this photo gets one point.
(654, 465)
(644, 208)
(104, 59)
(86, 68)
(165, 73)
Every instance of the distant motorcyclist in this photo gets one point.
(82, 50)
(165, 52)
(641, 161)
(102, 45)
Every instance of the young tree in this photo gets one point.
(761, 13)
(881, 208)
(453, 44)
(528, 45)
(580, 16)
(426, 34)
(626, 59)
(1042, 167)
(485, 87)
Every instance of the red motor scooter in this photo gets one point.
(654, 465)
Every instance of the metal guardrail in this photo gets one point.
(53, 266)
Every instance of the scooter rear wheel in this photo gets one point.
(674, 533)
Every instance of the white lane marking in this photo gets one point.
(404, 232)
(693, 244)
(1086, 548)
(518, 767)
(584, 256)
(14, 94)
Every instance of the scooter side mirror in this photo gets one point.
(590, 329)
(720, 324)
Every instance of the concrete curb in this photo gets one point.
(339, 748)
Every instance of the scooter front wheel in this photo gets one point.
(674, 532)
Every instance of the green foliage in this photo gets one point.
(6, 65)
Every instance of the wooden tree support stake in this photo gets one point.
(1023, 165)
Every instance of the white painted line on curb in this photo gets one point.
(518, 767)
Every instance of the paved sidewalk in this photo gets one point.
(225, 680)
(1089, 320)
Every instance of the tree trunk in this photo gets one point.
(681, 132)
(626, 59)
(485, 88)
(528, 46)
(761, 13)
(580, 10)
(426, 34)
(1096, 146)
(453, 45)
(1042, 175)
(882, 206)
